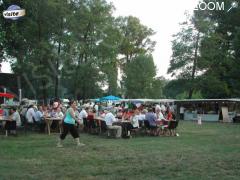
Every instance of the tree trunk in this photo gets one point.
(57, 72)
(58, 58)
(194, 66)
(44, 93)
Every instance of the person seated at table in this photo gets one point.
(103, 113)
(134, 119)
(53, 113)
(91, 114)
(151, 118)
(31, 114)
(142, 117)
(45, 112)
(40, 119)
(119, 114)
(90, 120)
(127, 114)
(39, 114)
(1, 112)
(83, 115)
(14, 121)
(170, 114)
(124, 114)
(159, 115)
(133, 124)
(5, 112)
(110, 119)
(56, 113)
(59, 113)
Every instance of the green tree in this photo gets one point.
(91, 46)
(219, 50)
(135, 38)
(70, 48)
(185, 55)
(139, 78)
(157, 88)
(33, 44)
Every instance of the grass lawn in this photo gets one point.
(210, 151)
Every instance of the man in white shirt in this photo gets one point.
(110, 119)
(40, 119)
(163, 108)
(14, 121)
(182, 109)
(39, 114)
(142, 115)
(96, 108)
(16, 117)
(31, 115)
(83, 115)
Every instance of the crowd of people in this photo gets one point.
(31, 114)
(123, 118)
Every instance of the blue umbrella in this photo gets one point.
(110, 98)
(97, 100)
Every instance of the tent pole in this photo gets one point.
(4, 99)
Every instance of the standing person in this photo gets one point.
(96, 109)
(182, 112)
(83, 117)
(69, 125)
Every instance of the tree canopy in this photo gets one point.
(75, 49)
(208, 48)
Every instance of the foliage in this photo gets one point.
(185, 55)
(71, 48)
(135, 38)
(140, 81)
(217, 63)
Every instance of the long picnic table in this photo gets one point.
(98, 121)
(49, 121)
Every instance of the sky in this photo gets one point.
(163, 16)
